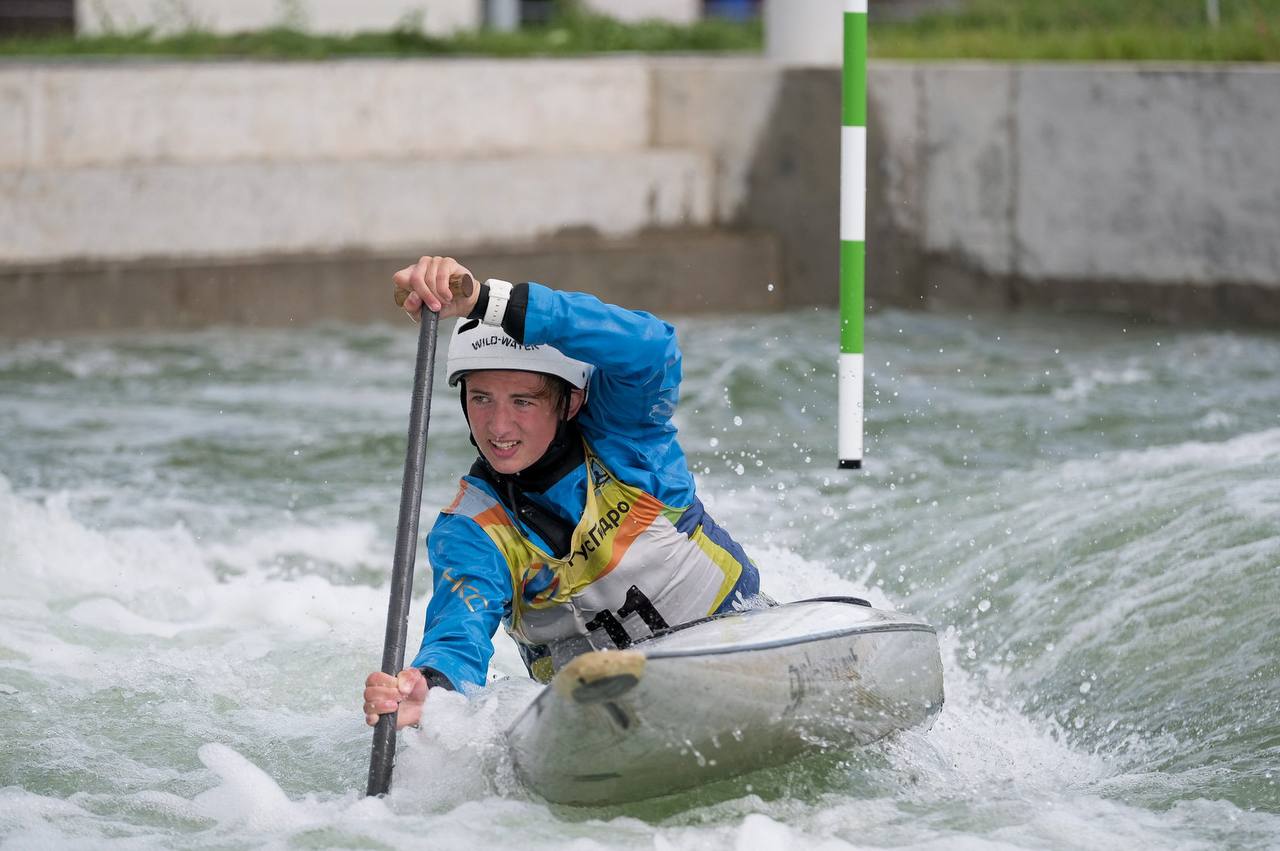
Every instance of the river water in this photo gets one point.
(196, 531)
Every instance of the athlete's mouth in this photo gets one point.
(503, 445)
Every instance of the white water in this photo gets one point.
(195, 533)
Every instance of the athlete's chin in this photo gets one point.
(507, 465)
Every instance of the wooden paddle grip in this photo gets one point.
(460, 284)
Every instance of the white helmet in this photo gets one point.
(476, 346)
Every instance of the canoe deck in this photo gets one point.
(726, 696)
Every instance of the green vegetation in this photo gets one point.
(1248, 31)
(570, 32)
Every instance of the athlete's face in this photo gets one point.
(513, 416)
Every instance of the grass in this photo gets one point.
(1081, 30)
(1088, 30)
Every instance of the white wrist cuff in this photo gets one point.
(499, 295)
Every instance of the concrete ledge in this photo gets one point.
(108, 113)
(245, 209)
(1219, 303)
(940, 281)
(685, 271)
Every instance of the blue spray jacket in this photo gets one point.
(627, 426)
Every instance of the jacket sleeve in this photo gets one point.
(471, 590)
(637, 381)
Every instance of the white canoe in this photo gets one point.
(724, 696)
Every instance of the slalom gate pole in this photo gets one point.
(853, 227)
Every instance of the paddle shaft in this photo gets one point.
(384, 734)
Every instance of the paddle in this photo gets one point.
(383, 757)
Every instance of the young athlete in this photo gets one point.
(578, 526)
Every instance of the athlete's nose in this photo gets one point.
(503, 420)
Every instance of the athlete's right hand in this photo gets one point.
(430, 282)
(384, 693)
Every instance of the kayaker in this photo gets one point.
(578, 526)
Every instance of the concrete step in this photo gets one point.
(246, 209)
(70, 115)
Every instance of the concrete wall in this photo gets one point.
(1074, 185)
(1145, 190)
(1057, 173)
(1151, 190)
(198, 159)
(170, 193)
(439, 17)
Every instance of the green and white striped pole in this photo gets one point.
(853, 231)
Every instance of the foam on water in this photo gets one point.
(246, 797)
(163, 583)
(59, 555)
